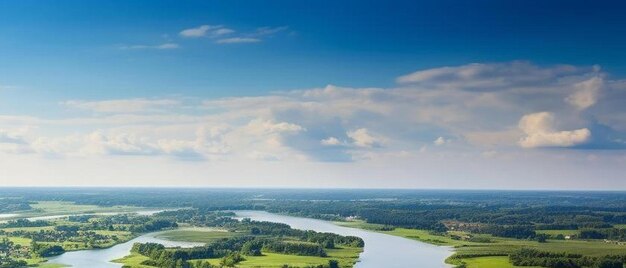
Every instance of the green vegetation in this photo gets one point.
(203, 235)
(134, 260)
(484, 227)
(30, 242)
(247, 243)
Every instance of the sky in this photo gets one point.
(276, 93)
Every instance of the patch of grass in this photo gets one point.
(133, 260)
(28, 229)
(20, 240)
(346, 256)
(48, 208)
(202, 235)
(490, 262)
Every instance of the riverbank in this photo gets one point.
(494, 251)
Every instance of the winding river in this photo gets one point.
(100, 258)
(381, 250)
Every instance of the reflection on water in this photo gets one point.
(381, 250)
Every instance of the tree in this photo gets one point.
(608, 263)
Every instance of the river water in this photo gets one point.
(100, 258)
(381, 250)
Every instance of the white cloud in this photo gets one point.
(204, 30)
(238, 40)
(310, 124)
(480, 76)
(586, 93)
(223, 35)
(330, 141)
(539, 129)
(163, 46)
(363, 138)
(440, 141)
(262, 31)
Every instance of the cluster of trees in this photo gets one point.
(294, 248)
(614, 234)
(9, 253)
(511, 231)
(152, 225)
(199, 217)
(8, 262)
(13, 204)
(46, 250)
(66, 233)
(180, 258)
(24, 223)
(533, 257)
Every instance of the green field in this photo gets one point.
(490, 262)
(346, 257)
(133, 260)
(53, 208)
(47, 208)
(202, 235)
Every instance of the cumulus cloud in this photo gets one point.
(363, 138)
(539, 129)
(586, 93)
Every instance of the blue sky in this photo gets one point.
(207, 85)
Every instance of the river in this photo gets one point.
(381, 250)
(100, 258)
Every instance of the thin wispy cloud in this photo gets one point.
(238, 40)
(164, 46)
(206, 31)
(263, 31)
(223, 35)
